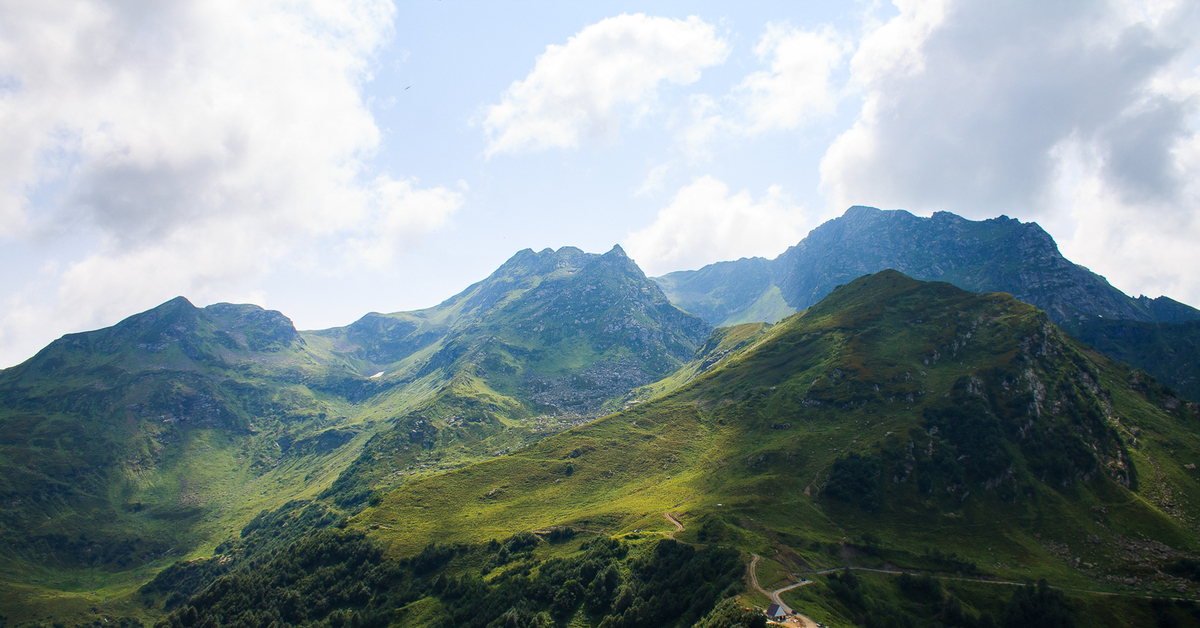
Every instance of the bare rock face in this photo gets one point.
(997, 255)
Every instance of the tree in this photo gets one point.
(1038, 607)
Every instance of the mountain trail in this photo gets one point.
(672, 519)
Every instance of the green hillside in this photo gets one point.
(126, 448)
(546, 343)
(907, 424)
(160, 438)
(896, 425)
(723, 291)
(562, 331)
(996, 255)
(893, 425)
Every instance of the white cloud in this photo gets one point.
(797, 87)
(194, 145)
(705, 122)
(1078, 115)
(404, 211)
(655, 179)
(963, 103)
(1142, 245)
(894, 48)
(705, 224)
(795, 90)
(609, 71)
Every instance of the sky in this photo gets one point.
(331, 158)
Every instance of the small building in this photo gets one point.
(775, 611)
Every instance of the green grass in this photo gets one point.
(118, 462)
(163, 436)
(772, 575)
(423, 612)
(770, 307)
(743, 435)
(743, 445)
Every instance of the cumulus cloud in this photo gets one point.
(655, 179)
(1143, 244)
(606, 73)
(404, 210)
(797, 86)
(965, 102)
(703, 122)
(895, 47)
(1077, 115)
(795, 89)
(193, 144)
(704, 223)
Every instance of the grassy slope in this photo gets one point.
(718, 292)
(562, 334)
(770, 307)
(743, 452)
(129, 448)
(723, 343)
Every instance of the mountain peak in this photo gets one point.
(616, 251)
(861, 210)
(1000, 254)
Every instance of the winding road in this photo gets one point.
(796, 619)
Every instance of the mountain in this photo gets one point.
(951, 431)
(895, 424)
(125, 448)
(541, 345)
(1023, 412)
(997, 255)
(726, 292)
(1169, 351)
(563, 331)
(215, 466)
(127, 445)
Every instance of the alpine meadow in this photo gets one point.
(454, 314)
(560, 444)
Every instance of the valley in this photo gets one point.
(614, 449)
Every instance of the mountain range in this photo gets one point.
(997, 255)
(822, 409)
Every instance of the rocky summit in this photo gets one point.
(996, 255)
(562, 330)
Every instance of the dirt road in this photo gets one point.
(672, 519)
(795, 619)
